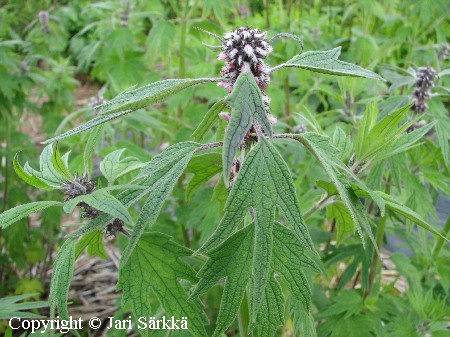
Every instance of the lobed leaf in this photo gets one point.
(10, 308)
(234, 260)
(262, 161)
(156, 265)
(271, 313)
(231, 259)
(160, 175)
(290, 261)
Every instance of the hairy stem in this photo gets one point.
(267, 10)
(287, 93)
(324, 202)
(182, 62)
(379, 241)
(6, 174)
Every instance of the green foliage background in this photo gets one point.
(103, 48)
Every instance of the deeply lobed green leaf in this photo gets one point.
(156, 265)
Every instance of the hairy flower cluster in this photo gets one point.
(443, 53)
(43, 19)
(242, 49)
(113, 227)
(80, 186)
(424, 82)
(124, 16)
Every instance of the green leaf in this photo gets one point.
(151, 93)
(344, 222)
(9, 307)
(271, 313)
(327, 62)
(127, 198)
(102, 201)
(231, 260)
(262, 159)
(264, 181)
(377, 141)
(132, 100)
(47, 169)
(397, 207)
(90, 145)
(343, 144)
(113, 167)
(289, 260)
(161, 36)
(61, 278)
(209, 119)
(60, 166)
(160, 175)
(367, 123)
(94, 243)
(247, 105)
(19, 212)
(204, 167)
(156, 265)
(443, 136)
(28, 178)
(88, 125)
(234, 260)
(321, 148)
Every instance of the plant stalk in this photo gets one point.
(287, 93)
(182, 63)
(379, 241)
(6, 174)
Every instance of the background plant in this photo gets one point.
(377, 35)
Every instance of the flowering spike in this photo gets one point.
(422, 91)
(245, 49)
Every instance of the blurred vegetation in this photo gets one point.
(60, 58)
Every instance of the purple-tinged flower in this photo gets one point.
(425, 78)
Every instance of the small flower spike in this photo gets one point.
(80, 186)
(422, 91)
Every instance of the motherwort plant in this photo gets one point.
(262, 241)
